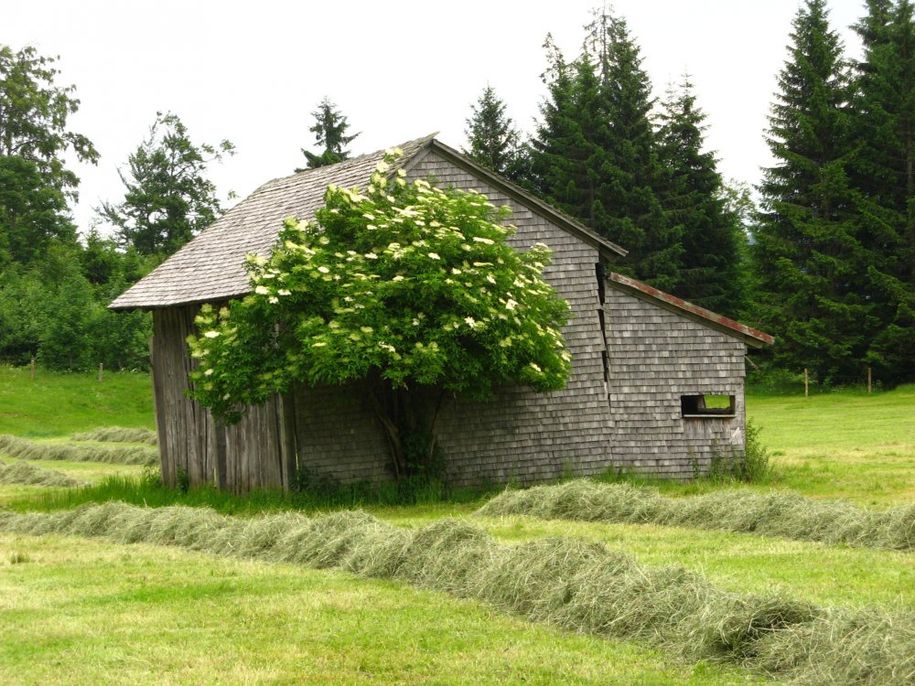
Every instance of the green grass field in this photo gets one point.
(86, 611)
(844, 444)
(55, 404)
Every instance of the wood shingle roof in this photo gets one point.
(211, 267)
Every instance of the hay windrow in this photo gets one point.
(787, 515)
(118, 434)
(569, 583)
(41, 450)
(33, 475)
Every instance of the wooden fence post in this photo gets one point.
(806, 384)
(101, 368)
(32, 368)
(869, 380)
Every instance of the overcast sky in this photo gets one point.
(252, 72)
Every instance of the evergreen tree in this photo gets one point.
(569, 150)
(637, 219)
(807, 251)
(558, 148)
(493, 139)
(168, 197)
(694, 201)
(882, 171)
(330, 133)
(595, 150)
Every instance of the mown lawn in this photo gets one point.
(82, 611)
(844, 444)
(55, 404)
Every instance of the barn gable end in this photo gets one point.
(657, 356)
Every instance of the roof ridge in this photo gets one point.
(419, 144)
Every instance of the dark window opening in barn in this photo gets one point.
(601, 276)
(707, 405)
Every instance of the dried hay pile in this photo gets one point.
(40, 450)
(117, 434)
(788, 515)
(32, 475)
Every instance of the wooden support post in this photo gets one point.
(32, 369)
(869, 380)
(806, 383)
(101, 369)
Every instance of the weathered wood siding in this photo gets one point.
(258, 452)
(655, 357)
(187, 433)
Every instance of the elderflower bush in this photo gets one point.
(399, 284)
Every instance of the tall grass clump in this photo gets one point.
(118, 434)
(41, 450)
(568, 583)
(783, 514)
(32, 475)
(752, 466)
(317, 494)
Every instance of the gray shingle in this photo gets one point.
(212, 266)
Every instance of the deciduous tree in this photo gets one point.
(406, 290)
(34, 111)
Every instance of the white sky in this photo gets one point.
(253, 71)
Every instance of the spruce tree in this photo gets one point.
(694, 201)
(330, 134)
(882, 172)
(493, 139)
(558, 148)
(569, 147)
(633, 172)
(595, 150)
(809, 257)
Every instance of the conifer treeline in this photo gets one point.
(826, 263)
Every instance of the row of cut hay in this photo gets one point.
(782, 514)
(566, 582)
(38, 450)
(118, 434)
(33, 475)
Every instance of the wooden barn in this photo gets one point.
(657, 383)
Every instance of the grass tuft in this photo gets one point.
(565, 582)
(149, 490)
(45, 450)
(118, 434)
(33, 475)
(781, 514)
